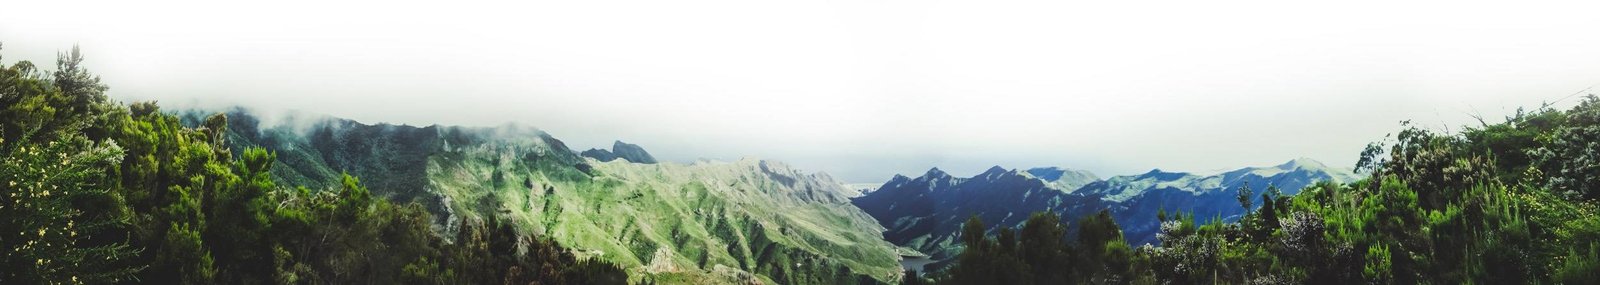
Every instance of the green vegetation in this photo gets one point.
(1040, 253)
(1507, 203)
(707, 222)
(97, 192)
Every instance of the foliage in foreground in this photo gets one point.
(1507, 203)
(97, 192)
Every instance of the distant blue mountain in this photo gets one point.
(926, 212)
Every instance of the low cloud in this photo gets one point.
(861, 89)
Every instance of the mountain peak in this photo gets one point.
(632, 152)
(1161, 175)
(1303, 162)
(621, 150)
(1156, 172)
(1062, 178)
(995, 170)
(935, 172)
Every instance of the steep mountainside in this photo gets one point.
(925, 213)
(717, 222)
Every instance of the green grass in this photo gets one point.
(712, 221)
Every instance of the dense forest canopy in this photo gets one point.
(99, 192)
(1506, 203)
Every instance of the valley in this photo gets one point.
(724, 222)
(102, 192)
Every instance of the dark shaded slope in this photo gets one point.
(632, 152)
(621, 150)
(926, 213)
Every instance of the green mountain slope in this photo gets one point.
(742, 221)
(108, 193)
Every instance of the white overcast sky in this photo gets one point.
(861, 89)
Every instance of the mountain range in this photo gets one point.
(107, 193)
(745, 221)
(925, 213)
(749, 220)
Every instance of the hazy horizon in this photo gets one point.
(862, 90)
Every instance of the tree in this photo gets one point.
(986, 261)
(974, 234)
(46, 236)
(1568, 156)
(976, 260)
(96, 192)
(1105, 255)
(1272, 203)
(239, 213)
(1245, 194)
(88, 105)
(1044, 248)
(56, 200)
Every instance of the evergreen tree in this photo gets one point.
(96, 192)
(1044, 248)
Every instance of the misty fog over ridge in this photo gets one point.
(862, 90)
(302, 123)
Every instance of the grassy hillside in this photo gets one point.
(705, 222)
